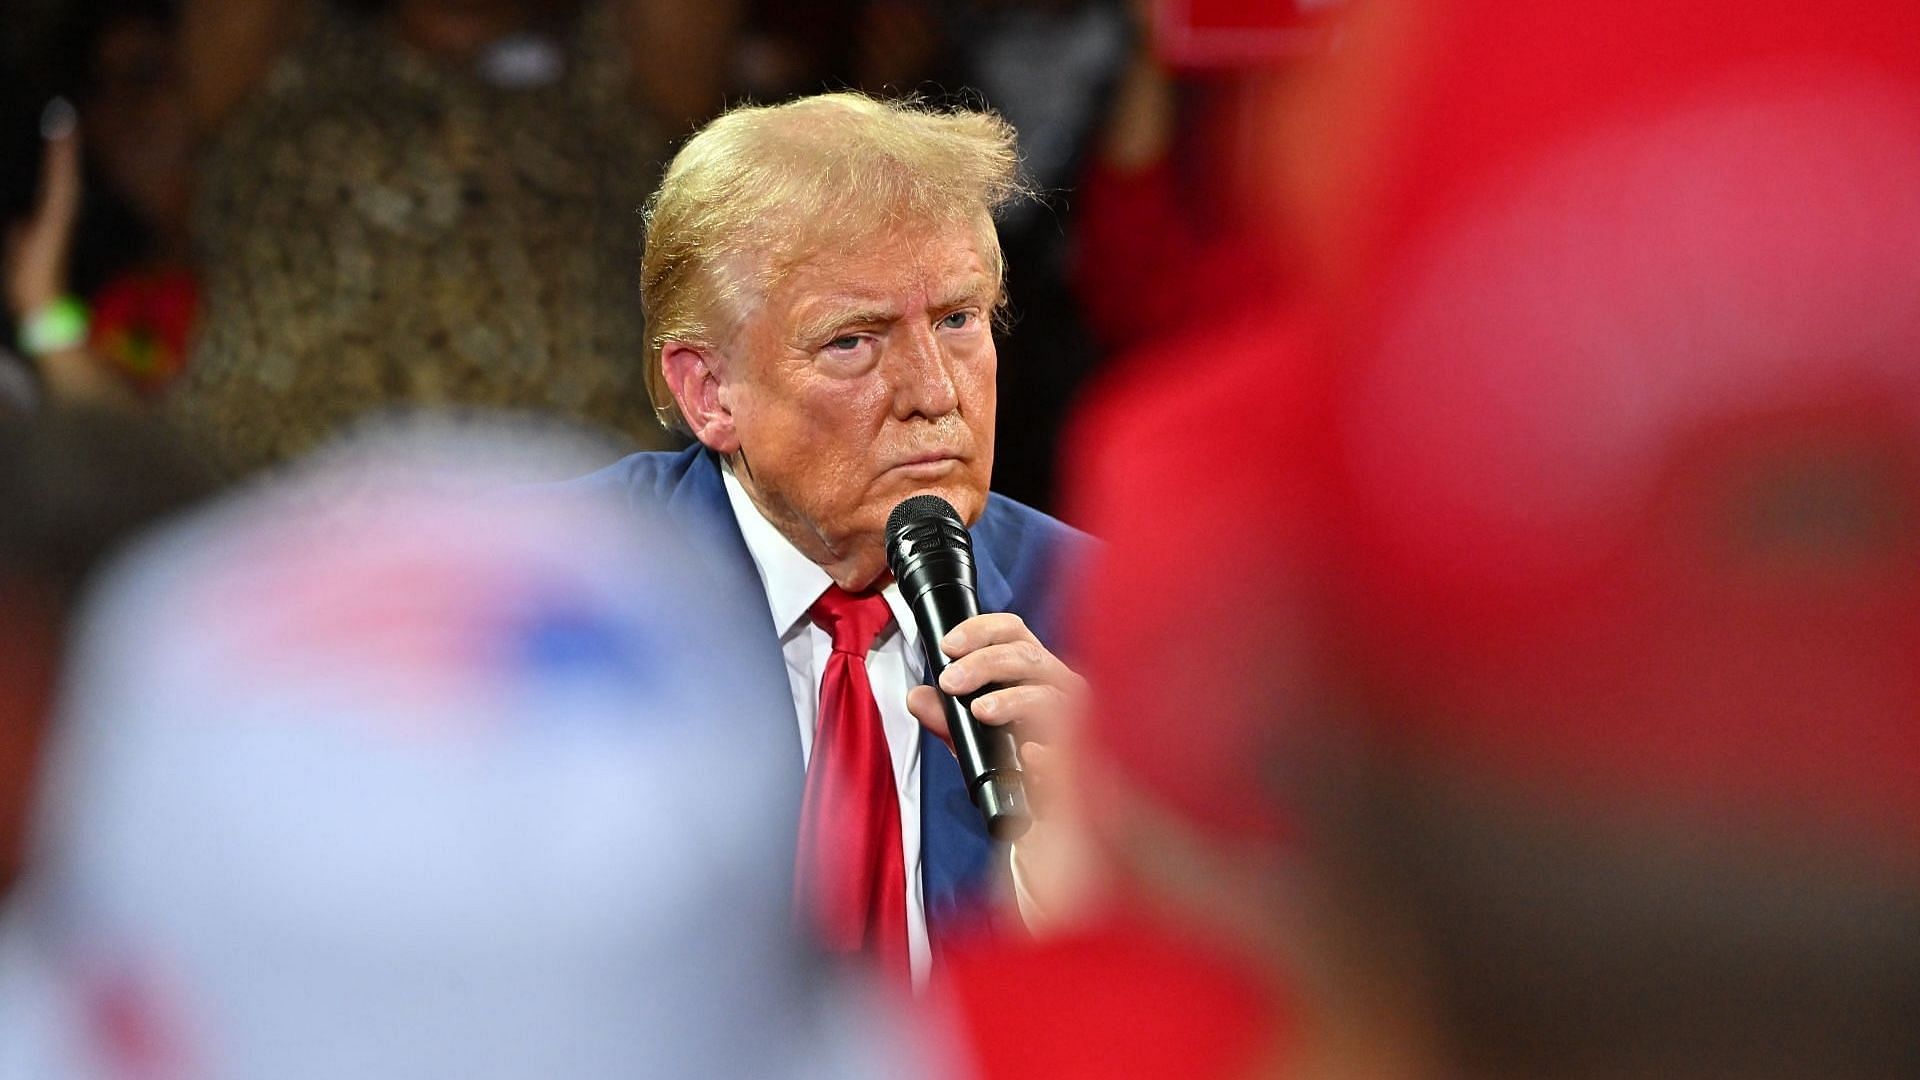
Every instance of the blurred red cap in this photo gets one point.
(1629, 419)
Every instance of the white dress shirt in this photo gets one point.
(894, 666)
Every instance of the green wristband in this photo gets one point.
(57, 327)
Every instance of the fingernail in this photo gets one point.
(58, 120)
(986, 707)
(952, 640)
(948, 680)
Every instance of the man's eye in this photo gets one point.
(959, 320)
(845, 343)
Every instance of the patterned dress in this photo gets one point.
(379, 227)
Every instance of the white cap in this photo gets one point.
(368, 775)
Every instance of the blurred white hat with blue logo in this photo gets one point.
(375, 772)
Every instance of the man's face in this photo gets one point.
(867, 376)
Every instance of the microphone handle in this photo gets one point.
(988, 757)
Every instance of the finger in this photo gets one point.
(1005, 663)
(1041, 766)
(1037, 758)
(59, 197)
(990, 629)
(924, 703)
(1036, 708)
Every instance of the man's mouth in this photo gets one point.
(927, 465)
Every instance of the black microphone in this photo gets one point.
(931, 556)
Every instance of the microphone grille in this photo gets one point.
(921, 508)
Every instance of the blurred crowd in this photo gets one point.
(1501, 423)
(266, 219)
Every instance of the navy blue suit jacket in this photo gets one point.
(1021, 556)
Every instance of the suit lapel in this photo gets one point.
(698, 500)
(995, 594)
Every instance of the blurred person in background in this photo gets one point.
(821, 279)
(429, 202)
(361, 776)
(99, 289)
(1614, 771)
(74, 486)
(1176, 199)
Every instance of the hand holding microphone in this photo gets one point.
(1002, 694)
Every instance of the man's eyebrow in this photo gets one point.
(974, 288)
(833, 316)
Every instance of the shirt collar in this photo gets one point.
(793, 581)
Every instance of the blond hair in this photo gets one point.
(760, 186)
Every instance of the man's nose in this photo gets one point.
(923, 377)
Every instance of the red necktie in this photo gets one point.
(850, 874)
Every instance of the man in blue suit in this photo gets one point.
(820, 281)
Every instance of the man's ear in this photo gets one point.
(692, 376)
